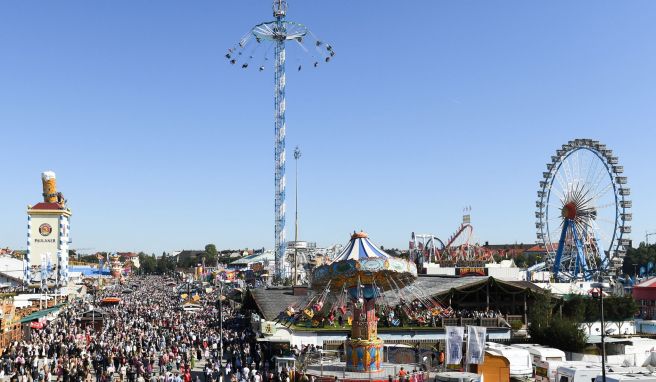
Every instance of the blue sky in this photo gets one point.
(428, 106)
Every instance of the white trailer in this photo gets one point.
(578, 372)
(519, 359)
(621, 377)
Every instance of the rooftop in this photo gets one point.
(649, 283)
(47, 206)
(255, 258)
(271, 301)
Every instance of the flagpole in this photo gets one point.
(467, 350)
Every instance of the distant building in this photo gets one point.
(508, 251)
(256, 262)
(645, 295)
(11, 272)
(185, 255)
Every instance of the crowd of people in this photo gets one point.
(146, 337)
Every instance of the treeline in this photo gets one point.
(587, 309)
(558, 325)
(640, 257)
(149, 264)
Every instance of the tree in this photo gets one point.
(575, 308)
(639, 257)
(148, 264)
(561, 333)
(587, 309)
(540, 315)
(212, 255)
(210, 249)
(565, 335)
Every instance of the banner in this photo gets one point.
(476, 344)
(471, 271)
(454, 337)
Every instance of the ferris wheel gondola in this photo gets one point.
(583, 210)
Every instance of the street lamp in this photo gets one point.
(297, 156)
(220, 304)
(601, 286)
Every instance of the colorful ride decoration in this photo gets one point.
(115, 266)
(361, 273)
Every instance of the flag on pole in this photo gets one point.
(43, 267)
(454, 337)
(49, 263)
(26, 269)
(476, 344)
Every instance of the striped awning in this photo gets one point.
(360, 247)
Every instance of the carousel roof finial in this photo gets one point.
(359, 235)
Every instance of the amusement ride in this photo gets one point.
(253, 51)
(363, 285)
(582, 212)
(460, 249)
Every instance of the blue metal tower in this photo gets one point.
(279, 12)
(260, 38)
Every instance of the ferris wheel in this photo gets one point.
(583, 210)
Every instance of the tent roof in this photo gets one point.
(271, 301)
(360, 247)
(41, 313)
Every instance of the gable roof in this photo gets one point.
(271, 301)
(47, 206)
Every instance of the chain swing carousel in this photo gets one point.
(354, 285)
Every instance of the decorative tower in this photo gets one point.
(48, 225)
(115, 266)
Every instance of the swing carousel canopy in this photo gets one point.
(363, 262)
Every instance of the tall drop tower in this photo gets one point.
(252, 52)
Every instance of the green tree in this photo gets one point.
(588, 309)
(89, 258)
(148, 264)
(212, 255)
(549, 330)
(565, 335)
(575, 308)
(210, 249)
(639, 257)
(540, 314)
(620, 308)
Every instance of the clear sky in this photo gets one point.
(429, 106)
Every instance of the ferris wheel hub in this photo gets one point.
(569, 211)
